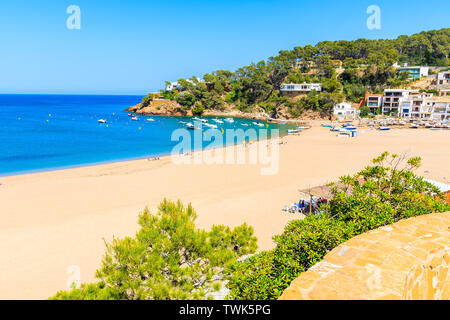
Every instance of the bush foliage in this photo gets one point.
(167, 259)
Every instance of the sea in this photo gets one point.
(51, 132)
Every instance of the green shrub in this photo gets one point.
(198, 109)
(185, 99)
(167, 259)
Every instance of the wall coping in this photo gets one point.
(406, 260)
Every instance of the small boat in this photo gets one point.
(182, 122)
(335, 129)
(350, 127)
(195, 118)
(102, 121)
(230, 120)
(292, 131)
(343, 134)
(213, 126)
(303, 128)
(384, 128)
(414, 126)
(258, 124)
(245, 124)
(150, 119)
(190, 126)
(217, 121)
(135, 119)
(130, 114)
(326, 125)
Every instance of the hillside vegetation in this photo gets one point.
(346, 69)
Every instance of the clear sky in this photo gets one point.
(133, 47)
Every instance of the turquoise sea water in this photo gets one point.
(45, 132)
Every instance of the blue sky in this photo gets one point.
(132, 47)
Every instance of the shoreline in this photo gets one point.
(105, 162)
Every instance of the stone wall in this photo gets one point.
(407, 260)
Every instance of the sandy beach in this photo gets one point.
(51, 221)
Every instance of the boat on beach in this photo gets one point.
(384, 128)
(150, 119)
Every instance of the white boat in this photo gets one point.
(343, 134)
(230, 120)
(195, 118)
(414, 126)
(135, 119)
(292, 131)
(213, 126)
(190, 126)
(217, 121)
(302, 128)
(150, 119)
(245, 124)
(258, 124)
(102, 121)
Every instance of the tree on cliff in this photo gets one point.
(167, 259)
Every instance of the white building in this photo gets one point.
(441, 108)
(416, 72)
(301, 87)
(443, 78)
(176, 86)
(426, 107)
(393, 99)
(416, 106)
(345, 111)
